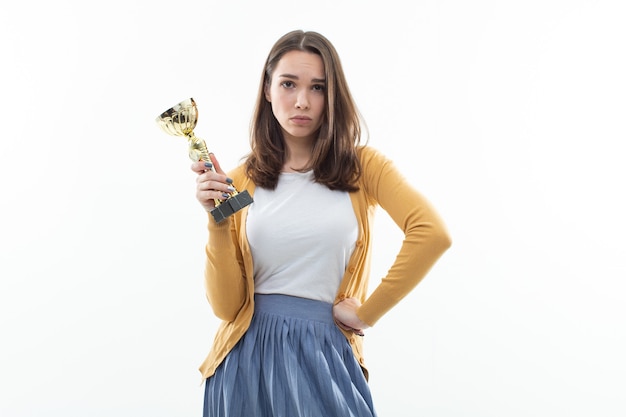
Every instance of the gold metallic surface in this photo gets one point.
(181, 120)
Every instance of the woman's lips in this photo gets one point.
(301, 120)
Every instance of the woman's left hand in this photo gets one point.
(344, 313)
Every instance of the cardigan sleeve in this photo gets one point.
(225, 277)
(425, 235)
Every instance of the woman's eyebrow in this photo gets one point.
(295, 77)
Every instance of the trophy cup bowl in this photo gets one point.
(180, 120)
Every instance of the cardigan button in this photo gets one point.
(352, 269)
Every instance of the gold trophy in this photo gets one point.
(180, 120)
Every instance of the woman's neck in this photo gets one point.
(298, 155)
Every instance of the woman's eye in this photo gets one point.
(287, 84)
(318, 87)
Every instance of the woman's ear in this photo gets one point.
(266, 90)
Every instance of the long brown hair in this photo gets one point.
(334, 159)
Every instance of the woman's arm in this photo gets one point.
(224, 272)
(425, 235)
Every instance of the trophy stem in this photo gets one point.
(198, 151)
(197, 148)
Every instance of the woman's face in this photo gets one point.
(297, 95)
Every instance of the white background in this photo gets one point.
(507, 115)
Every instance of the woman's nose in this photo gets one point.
(302, 100)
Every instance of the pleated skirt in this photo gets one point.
(292, 362)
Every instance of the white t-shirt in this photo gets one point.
(301, 236)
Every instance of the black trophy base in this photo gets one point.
(231, 206)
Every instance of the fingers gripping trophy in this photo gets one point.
(181, 120)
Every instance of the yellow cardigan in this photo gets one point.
(229, 272)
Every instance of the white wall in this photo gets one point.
(508, 115)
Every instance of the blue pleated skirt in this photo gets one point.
(292, 362)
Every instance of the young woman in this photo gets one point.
(288, 275)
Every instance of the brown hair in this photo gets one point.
(334, 159)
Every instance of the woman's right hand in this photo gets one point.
(211, 184)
